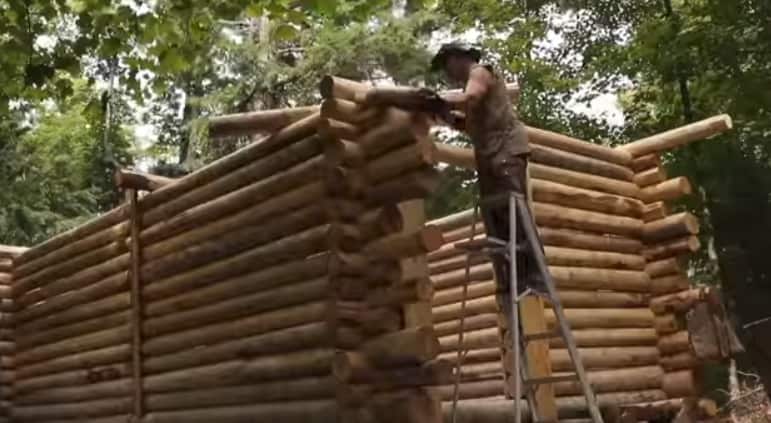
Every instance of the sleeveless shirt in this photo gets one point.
(494, 126)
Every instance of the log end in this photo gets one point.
(431, 238)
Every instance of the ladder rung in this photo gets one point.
(551, 379)
(542, 335)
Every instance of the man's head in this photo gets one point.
(456, 59)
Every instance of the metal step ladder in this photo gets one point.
(520, 218)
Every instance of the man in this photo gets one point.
(500, 145)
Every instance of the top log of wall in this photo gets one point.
(593, 260)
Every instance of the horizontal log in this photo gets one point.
(454, 221)
(394, 129)
(80, 411)
(680, 136)
(284, 340)
(682, 301)
(645, 162)
(480, 321)
(401, 160)
(311, 411)
(269, 251)
(237, 307)
(605, 357)
(481, 272)
(667, 323)
(672, 248)
(99, 358)
(29, 337)
(559, 158)
(589, 241)
(140, 181)
(570, 218)
(475, 389)
(663, 267)
(90, 341)
(249, 123)
(669, 190)
(655, 211)
(409, 346)
(464, 157)
(589, 149)
(251, 325)
(624, 337)
(675, 343)
(372, 321)
(78, 377)
(456, 262)
(616, 380)
(405, 245)
(604, 318)
(479, 356)
(683, 383)
(585, 199)
(77, 247)
(472, 340)
(680, 361)
(267, 280)
(584, 278)
(600, 299)
(673, 226)
(415, 185)
(669, 284)
(347, 368)
(348, 111)
(453, 295)
(650, 177)
(472, 307)
(573, 257)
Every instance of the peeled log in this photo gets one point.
(589, 279)
(625, 337)
(464, 157)
(598, 299)
(664, 267)
(481, 272)
(673, 226)
(682, 360)
(645, 162)
(480, 321)
(669, 284)
(475, 290)
(128, 179)
(402, 160)
(562, 159)
(674, 343)
(683, 383)
(650, 177)
(673, 248)
(570, 218)
(472, 340)
(560, 256)
(607, 357)
(405, 245)
(680, 136)
(454, 221)
(585, 199)
(307, 411)
(655, 211)
(669, 190)
(259, 121)
(583, 240)
(615, 380)
(681, 302)
(406, 347)
(410, 186)
(604, 318)
(589, 149)
(347, 111)
(667, 323)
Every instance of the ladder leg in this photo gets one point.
(514, 315)
(532, 239)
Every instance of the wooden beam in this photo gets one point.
(140, 181)
(679, 136)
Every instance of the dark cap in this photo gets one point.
(454, 48)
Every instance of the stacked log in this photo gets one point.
(590, 221)
(7, 342)
(612, 246)
(233, 308)
(381, 159)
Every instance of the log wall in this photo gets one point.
(7, 342)
(613, 247)
(284, 282)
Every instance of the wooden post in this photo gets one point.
(136, 305)
(538, 363)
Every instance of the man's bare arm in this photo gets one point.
(478, 83)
